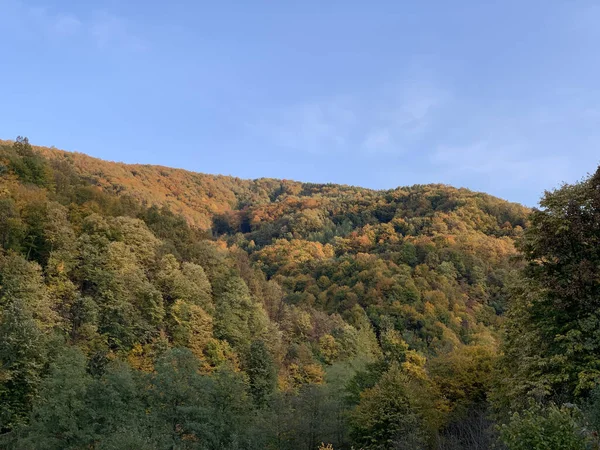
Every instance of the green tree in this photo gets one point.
(116, 403)
(112, 272)
(262, 372)
(26, 316)
(387, 415)
(187, 282)
(189, 410)
(61, 417)
(238, 317)
(22, 356)
(549, 428)
(12, 227)
(175, 398)
(29, 165)
(552, 342)
(190, 326)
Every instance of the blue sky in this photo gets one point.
(502, 97)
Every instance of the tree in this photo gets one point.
(465, 376)
(190, 326)
(22, 281)
(175, 397)
(238, 318)
(552, 342)
(25, 317)
(22, 355)
(304, 418)
(547, 428)
(189, 410)
(12, 228)
(29, 165)
(188, 283)
(61, 418)
(116, 405)
(387, 416)
(74, 410)
(262, 372)
(111, 270)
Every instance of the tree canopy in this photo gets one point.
(147, 307)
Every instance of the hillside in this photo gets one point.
(310, 301)
(199, 197)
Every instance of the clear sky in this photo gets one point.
(498, 96)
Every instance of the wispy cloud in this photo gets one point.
(311, 127)
(56, 24)
(66, 24)
(533, 149)
(109, 30)
(382, 121)
(101, 29)
(378, 139)
(498, 162)
(402, 116)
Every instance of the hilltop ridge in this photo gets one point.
(199, 197)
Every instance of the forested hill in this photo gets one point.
(200, 197)
(333, 314)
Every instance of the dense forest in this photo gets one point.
(149, 307)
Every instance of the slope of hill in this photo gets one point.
(311, 301)
(199, 197)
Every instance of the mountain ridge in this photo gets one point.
(199, 196)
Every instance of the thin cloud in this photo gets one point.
(102, 30)
(404, 117)
(66, 24)
(108, 30)
(52, 23)
(377, 140)
(539, 147)
(312, 127)
(496, 163)
(383, 121)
